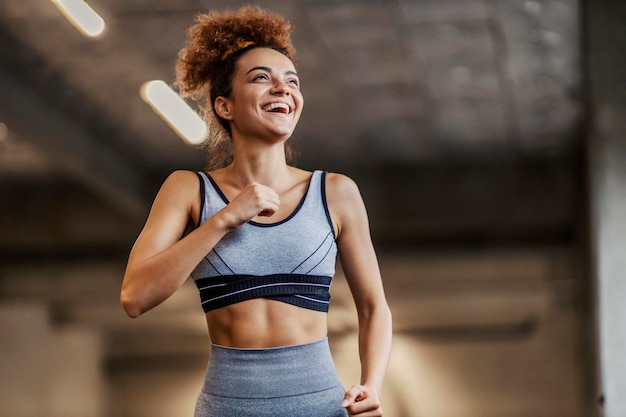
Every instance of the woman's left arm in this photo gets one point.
(359, 263)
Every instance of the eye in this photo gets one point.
(294, 82)
(260, 77)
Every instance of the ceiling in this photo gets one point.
(397, 93)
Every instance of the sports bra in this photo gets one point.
(292, 261)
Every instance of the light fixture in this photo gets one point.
(175, 111)
(82, 16)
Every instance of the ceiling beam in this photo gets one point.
(30, 108)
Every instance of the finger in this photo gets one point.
(373, 413)
(269, 207)
(266, 213)
(365, 408)
(268, 201)
(352, 395)
(257, 200)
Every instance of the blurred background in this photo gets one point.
(487, 137)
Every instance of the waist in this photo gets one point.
(270, 372)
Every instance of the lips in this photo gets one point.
(277, 107)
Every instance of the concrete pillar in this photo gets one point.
(606, 44)
(47, 370)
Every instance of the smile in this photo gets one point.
(277, 107)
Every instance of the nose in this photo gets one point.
(280, 88)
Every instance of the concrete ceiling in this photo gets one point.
(396, 91)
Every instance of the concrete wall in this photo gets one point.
(607, 143)
(46, 370)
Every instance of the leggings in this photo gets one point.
(291, 381)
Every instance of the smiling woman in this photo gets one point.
(206, 65)
(260, 237)
(272, 94)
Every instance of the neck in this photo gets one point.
(265, 165)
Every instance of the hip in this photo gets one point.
(298, 380)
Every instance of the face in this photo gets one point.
(266, 100)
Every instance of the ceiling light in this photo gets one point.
(82, 16)
(175, 111)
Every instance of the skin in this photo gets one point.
(260, 186)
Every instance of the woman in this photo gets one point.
(260, 237)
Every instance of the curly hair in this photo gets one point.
(207, 63)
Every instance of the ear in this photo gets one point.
(222, 108)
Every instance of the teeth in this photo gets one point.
(273, 106)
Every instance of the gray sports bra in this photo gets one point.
(292, 261)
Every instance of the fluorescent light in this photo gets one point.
(175, 111)
(82, 16)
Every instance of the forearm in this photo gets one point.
(150, 281)
(375, 332)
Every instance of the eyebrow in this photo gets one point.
(268, 69)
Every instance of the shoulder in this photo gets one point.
(182, 185)
(340, 187)
(182, 179)
(344, 202)
(178, 197)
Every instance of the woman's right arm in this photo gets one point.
(162, 259)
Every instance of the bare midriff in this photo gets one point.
(263, 323)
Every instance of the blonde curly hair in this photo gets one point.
(207, 63)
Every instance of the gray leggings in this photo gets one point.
(291, 381)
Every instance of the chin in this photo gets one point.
(283, 133)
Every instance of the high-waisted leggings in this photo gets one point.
(291, 381)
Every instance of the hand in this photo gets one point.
(254, 200)
(362, 401)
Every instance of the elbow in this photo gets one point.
(387, 316)
(130, 305)
(379, 312)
